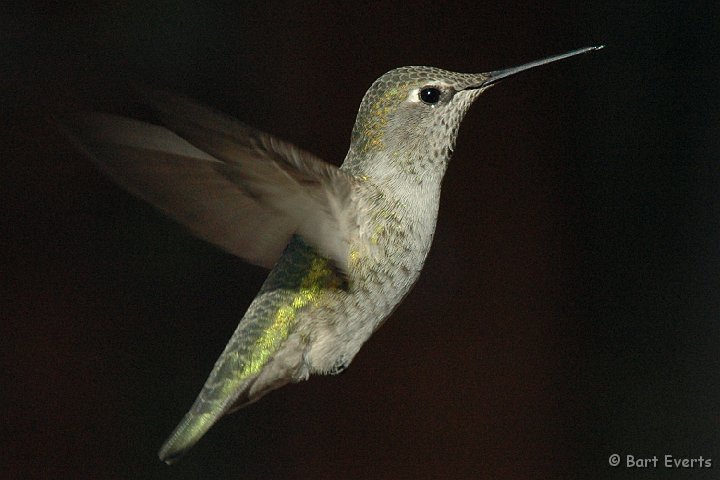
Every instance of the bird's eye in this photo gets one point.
(430, 95)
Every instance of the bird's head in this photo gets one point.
(412, 114)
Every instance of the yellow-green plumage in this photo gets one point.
(300, 281)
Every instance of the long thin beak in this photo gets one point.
(493, 77)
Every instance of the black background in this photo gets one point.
(569, 308)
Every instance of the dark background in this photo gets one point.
(569, 308)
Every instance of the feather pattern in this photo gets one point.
(240, 189)
(315, 195)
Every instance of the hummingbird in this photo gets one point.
(344, 245)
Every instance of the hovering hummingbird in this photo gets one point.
(345, 245)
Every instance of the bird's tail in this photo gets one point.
(264, 353)
(212, 403)
(229, 388)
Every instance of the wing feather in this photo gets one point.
(279, 175)
(240, 189)
(183, 182)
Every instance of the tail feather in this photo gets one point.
(197, 421)
(264, 353)
(224, 394)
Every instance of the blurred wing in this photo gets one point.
(196, 188)
(277, 174)
(184, 183)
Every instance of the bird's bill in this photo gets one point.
(491, 78)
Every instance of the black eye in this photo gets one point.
(430, 95)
